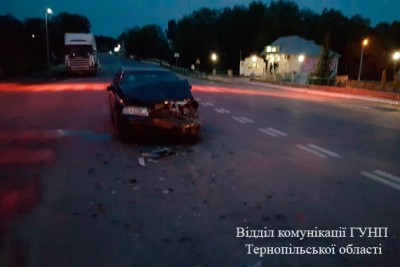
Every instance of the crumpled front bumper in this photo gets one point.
(187, 126)
(174, 125)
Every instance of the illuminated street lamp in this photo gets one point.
(364, 44)
(214, 59)
(48, 12)
(301, 59)
(396, 56)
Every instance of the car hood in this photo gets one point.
(159, 91)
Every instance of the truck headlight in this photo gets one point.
(137, 111)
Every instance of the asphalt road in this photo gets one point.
(268, 159)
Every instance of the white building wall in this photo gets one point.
(248, 67)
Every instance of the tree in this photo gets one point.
(323, 71)
(34, 36)
(197, 37)
(172, 33)
(12, 46)
(236, 36)
(105, 44)
(146, 42)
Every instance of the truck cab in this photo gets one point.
(81, 53)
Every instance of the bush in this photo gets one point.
(317, 80)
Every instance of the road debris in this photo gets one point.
(142, 161)
(158, 155)
(169, 190)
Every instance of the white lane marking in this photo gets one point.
(207, 104)
(311, 151)
(197, 99)
(384, 178)
(325, 151)
(388, 175)
(243, 120)
(266, 131)
(222, 111)
(238, 119)
(273, 132)
(246, 119)
(319, 151)
(277, 132)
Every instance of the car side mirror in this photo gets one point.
(110, 88)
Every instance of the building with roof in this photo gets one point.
(252, 66)
(292, 56)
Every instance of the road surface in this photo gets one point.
(312, 177)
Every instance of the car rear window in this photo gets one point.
(144, 77)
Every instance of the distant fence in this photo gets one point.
(338, 81)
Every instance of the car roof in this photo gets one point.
(133, 69)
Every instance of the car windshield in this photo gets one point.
(81, 50)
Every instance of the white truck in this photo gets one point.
(81, 53)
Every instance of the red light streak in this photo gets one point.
(101, 86)
(26, 136)
(53, 87)
(18, 195)
(227, 90)
(25, 156)
(254, 92)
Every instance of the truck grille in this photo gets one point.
(79, 63)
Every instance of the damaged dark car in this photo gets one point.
(152, 100)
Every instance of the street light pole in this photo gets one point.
(364, 43)
(396, 56)
(214, 58)
(48, 11)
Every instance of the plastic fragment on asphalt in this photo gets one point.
(162, 154)
(135, 188)
(142, 161)
(159, 154)
(169, 190)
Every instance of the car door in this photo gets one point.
(112, 90)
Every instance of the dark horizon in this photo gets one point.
(127, 15)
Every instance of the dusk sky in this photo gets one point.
(112, 17)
